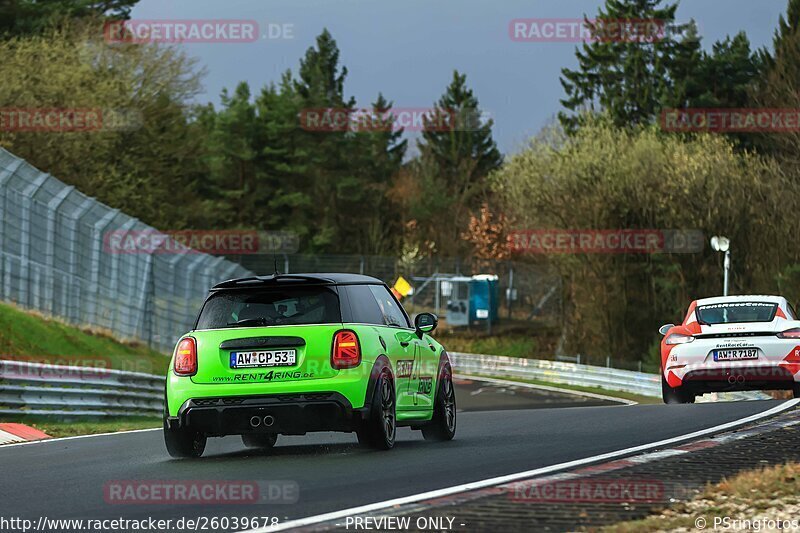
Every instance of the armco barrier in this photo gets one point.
(69, 391)
(557, 372)
(66, 391)
(576, 374)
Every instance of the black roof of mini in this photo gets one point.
(300, 278)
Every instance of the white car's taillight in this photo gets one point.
(790, 334)
(677, 338)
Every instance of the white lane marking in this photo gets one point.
(335, 515)
(59, 439)
(547, 388)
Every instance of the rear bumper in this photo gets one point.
(291, 414)
(704, 378)
(776, 368)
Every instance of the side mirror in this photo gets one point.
(665, 328)
(425, 323)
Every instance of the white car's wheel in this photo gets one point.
(672, 395)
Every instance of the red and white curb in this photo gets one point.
(12, 433)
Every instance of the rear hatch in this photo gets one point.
(267, 335)
(264, 355)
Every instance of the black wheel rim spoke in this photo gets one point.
(449, 402)
(387, 406)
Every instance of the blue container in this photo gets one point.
(483, 299)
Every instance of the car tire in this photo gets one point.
(380, 429)
(442, 426)
(796, 390)
(183, 443)
(672, 395)
(264, 441)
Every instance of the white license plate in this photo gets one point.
(735, 355)
(263, 358)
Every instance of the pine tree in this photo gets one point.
(333, 183)
(234, 158)
(779, 86)
(458, 153)
(380, 149)
(629, 78)
(24, 17)
(284, 160)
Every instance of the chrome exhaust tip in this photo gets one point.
(269, 420)
(255, 422)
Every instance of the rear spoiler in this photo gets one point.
(734, 334)
(253, 281)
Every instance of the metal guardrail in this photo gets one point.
(559, 372)
(71, 391)
(66, 391)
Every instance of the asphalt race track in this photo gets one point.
(66, 478)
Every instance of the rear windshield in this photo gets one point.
(285, 306)
(736, 312)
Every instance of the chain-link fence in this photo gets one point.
(54, 261)
(525, 292)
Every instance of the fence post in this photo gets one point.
(97, 245)
(5, 176)
(25, 238)
(115, 268)
(50, 256)
(75, 293)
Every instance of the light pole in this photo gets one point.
(723, 244)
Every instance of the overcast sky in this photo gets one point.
(408, 49)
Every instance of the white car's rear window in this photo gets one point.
(736, 312)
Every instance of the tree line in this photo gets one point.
(249, 162)
(608, 163)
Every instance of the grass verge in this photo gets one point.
(769, 493)
(33, 337)
(596, 390)
(65, 428)
(511, 345)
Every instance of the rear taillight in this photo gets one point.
(677, 338)
(790, 334)
(346, 350)
(186, 357)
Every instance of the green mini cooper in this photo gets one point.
(288, 354)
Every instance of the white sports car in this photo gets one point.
(731, 343)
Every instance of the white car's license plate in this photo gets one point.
(263, 358)
(735, 355)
